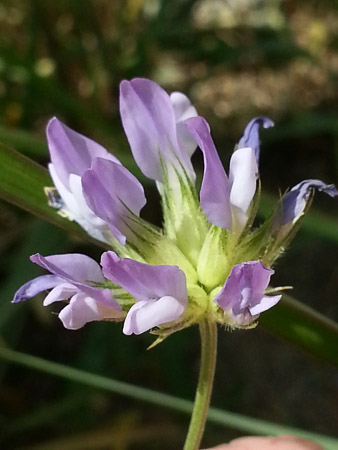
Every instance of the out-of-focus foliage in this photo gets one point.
(235, 59)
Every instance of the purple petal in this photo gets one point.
(243, 179)
(84, 215)
(215, 189)
(71, 152)
(145, 315)
(35, 286)
(71, 266)
(79, 270)
(250, 137)
(143, 281)
(113, 193)
(83, 309)
(294, 202)
(243, 290)
(149, 122)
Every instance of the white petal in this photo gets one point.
(242, 176)
(145, 315)
(61, 292)
(95, 227)
(83, 309)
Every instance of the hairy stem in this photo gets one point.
(208, 332)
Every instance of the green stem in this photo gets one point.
(208, 332)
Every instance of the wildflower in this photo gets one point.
(160, 291)
(83, 195)
(243, 292)
(154, 125)
(225, 201)
(73, 277)
(206, 262)
(296, 200)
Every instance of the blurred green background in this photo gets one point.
(235, 60)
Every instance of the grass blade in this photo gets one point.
(304, 327)
(224, 418)
(22, 182)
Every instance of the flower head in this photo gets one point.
(207, 260)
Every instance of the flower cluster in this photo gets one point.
(207, 261)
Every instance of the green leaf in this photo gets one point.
(304, 327)
(220, 417)
(24, 141)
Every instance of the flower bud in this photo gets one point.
(212, 261)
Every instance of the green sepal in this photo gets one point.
(124, 299)
(253, 246)
(184, 220)
(165, 251)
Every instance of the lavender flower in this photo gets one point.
(75, 162)
(243, 292)
(153, 122)
(295, 201)
(225, 201)
(160, 291)
(206, 262)
(73, 276)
